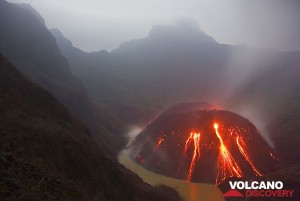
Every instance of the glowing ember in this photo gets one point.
(202, 145)
(160, 140)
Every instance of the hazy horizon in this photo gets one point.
(97, 25)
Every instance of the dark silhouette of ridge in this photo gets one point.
(28, 44)
(52, 154)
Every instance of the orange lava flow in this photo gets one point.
(240, 142)
(196, 153)
(227, 166)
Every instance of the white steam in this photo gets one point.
(132, 133)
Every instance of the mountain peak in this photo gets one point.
(184, 34)
(180, 27)
(58, 35)
(181, 31)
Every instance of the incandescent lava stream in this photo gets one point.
(191, 142)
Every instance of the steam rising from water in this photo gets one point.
(133, 131)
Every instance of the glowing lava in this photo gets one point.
(196, 144)
(227, 166)
(243, 151)
(196, 153)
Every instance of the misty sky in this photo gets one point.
(94, 25)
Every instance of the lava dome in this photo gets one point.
(189, 141)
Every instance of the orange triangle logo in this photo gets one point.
(233, 193)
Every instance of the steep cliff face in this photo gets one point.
(37, 128)
(28, 44)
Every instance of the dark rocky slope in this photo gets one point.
(36, 128)
(27, 43)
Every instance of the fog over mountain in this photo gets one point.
(46, 152)
(29, 45)
(54, 145)
(229, 72)
(95, 25)
(181, 62)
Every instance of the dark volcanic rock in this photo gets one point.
(192, 142)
